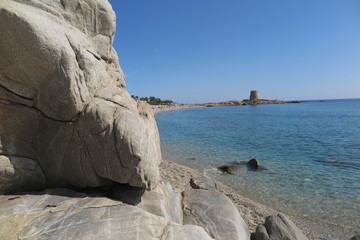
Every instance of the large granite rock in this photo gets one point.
(163, 201)
(64, 214)
(203, 183)
(65, 116)
(278, 228)
(215, 213)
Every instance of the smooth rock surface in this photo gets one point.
(63, 103)
(215, 213)
(163, 201)
(278, 228)
(64, 214)
(203, 183)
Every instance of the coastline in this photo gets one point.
(252, 211)
(157, 109)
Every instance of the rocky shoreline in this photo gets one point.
(253, 212)
(79, 158)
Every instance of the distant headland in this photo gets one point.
(254, 99)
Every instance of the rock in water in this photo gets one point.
(231, 168)
(66, 118)
(253, 163)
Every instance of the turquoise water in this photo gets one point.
(311, 152)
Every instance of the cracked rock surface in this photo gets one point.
(163, 214)
(65, 214)
(66, 118)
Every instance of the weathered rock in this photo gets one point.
(203, 183)
(278, 228)
(356, 237)
(231, 168)
(63, 103)
(64, 214)
(163, 201)
(261, 233)
(127, 194)
(20, 173)
(253, 163)
(215, 213)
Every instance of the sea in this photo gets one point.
(310, 152)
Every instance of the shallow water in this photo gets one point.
(311, 152)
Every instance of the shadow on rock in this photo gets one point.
(127, 194)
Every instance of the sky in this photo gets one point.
(196, 51)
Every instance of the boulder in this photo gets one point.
(66, 118)
(278, 228)
(215, 213)
(202, 183)
(230, 168)
(254, 163)
(64, 214)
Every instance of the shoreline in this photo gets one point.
(157, 109)
(252, 211)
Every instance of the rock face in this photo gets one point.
(64, 214)
(278, 228)
(215, 213)
(65, 116)
(163, 214)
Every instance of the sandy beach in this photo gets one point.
(165, 108)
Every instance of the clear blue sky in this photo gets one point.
(195, 51)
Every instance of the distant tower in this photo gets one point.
(254, 95)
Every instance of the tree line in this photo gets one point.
(153, 100)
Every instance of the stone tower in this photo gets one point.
(254, 95)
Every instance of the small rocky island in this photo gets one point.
(254, 99)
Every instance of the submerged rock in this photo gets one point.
(231, 168)
(278, 228)
(237, 165)
(66, 118)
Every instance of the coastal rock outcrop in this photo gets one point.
(65, 214)
(66, 118)
(215, 213)
(163, 214)
(278, 228)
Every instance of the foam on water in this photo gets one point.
(311, 152)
